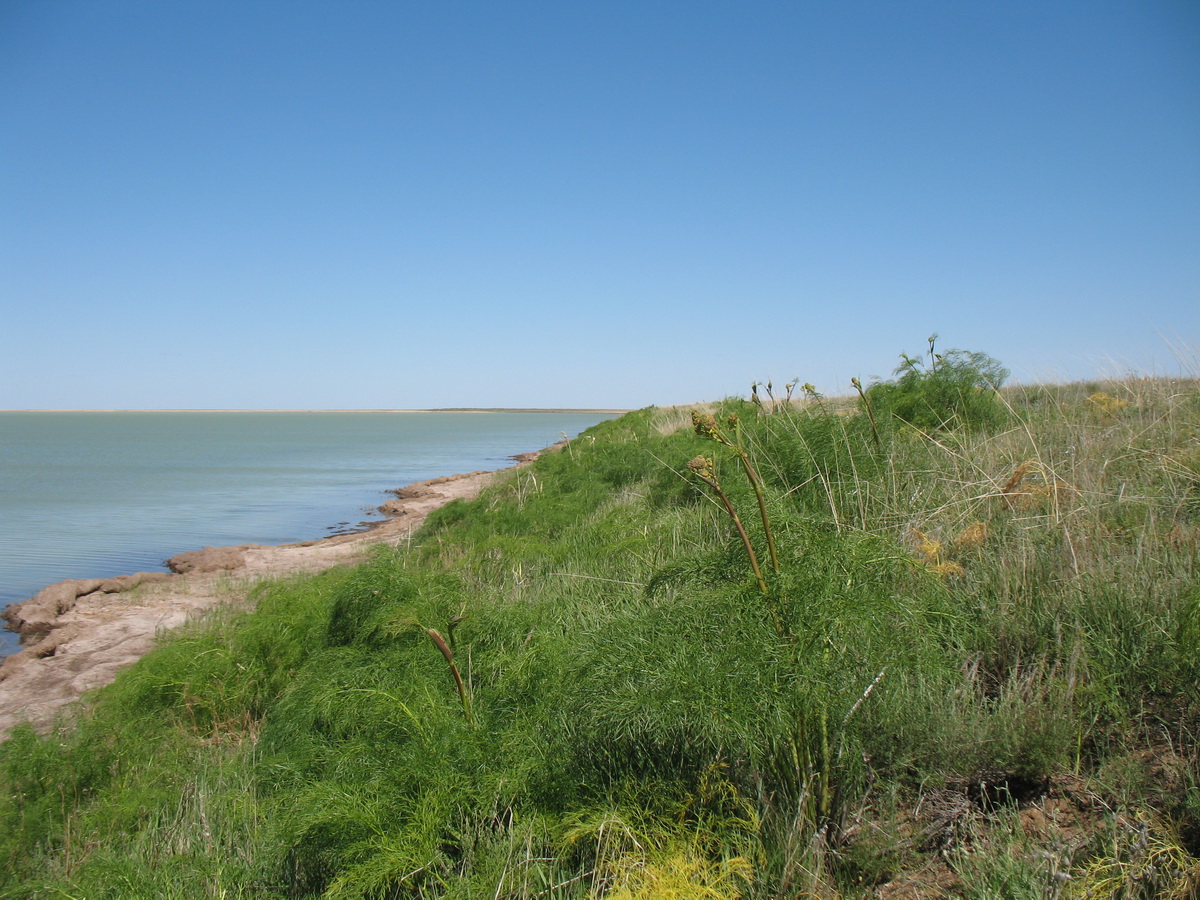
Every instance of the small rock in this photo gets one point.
(210, 559)
(395, 508)
(412, 492)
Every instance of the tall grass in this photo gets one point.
(620, 704)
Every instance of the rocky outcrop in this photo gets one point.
(411, 492)
(46, 647)
(39, 614)
(210, 559)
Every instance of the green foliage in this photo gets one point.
(971, 611)
(957, 389)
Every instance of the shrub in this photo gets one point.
(955, 389)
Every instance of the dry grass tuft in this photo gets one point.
(673, 419)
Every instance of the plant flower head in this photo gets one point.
(1103, 404)
(704, 424)
(702, 466)
(973, 535)
(948, 568)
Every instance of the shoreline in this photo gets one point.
(76, 635)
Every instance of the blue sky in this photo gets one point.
(370, 204)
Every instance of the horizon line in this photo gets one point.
(435, 409)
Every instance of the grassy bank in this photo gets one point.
(938, 641)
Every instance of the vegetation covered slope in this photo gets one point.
(940, 643)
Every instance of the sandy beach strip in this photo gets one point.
(78, 634)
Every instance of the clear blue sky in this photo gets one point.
(399, 204)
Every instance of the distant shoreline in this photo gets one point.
(448, 409)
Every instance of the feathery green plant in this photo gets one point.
(955, 389)
(637, 724)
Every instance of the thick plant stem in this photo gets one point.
(756, 483)
(440, 643)
(737, 521)
(702, 468)
(870, 412)
(706, 426)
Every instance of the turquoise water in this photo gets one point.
(96, 494)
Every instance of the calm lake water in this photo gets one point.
(97, 494)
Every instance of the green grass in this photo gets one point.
(965, 615)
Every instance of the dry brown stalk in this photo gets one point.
(702, 468)
(440, 643)
(1009, 490)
